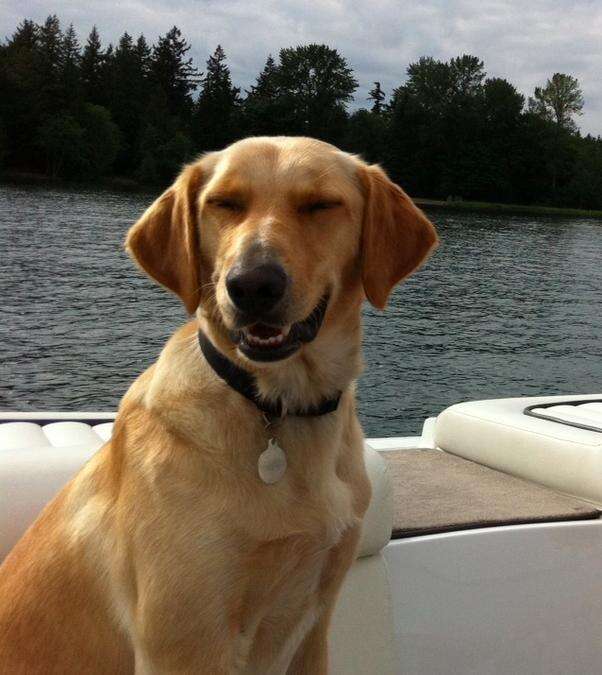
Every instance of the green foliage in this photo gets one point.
(163, 154)
(70, 69)
(377, 95)
(140, 110)
(216, 120)
(100, 141)
(315, 85)
(173, 74)
(79, 148)
(366, 133)
(558, 101)
(3, 144)
(62, 141)
(126, 75)
(92, 66)
(263, 112)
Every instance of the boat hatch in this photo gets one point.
(585, 414)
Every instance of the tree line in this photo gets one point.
(138, 111)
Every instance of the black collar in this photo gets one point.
(244, 383)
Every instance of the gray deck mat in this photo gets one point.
(437, 492)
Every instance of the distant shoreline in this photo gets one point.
(118, 183)
(518, 209)
(130, 185)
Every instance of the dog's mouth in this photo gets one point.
(265, 342)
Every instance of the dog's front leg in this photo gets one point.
(199, 665)
(182, 644)
(311, 657)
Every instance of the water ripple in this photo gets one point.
(508, 306)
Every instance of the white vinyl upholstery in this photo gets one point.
(361, 640)
(588, 414)
(378, 521)
(29, 479)
(36, 460)
(498, 433)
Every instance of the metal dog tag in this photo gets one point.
(271, 464)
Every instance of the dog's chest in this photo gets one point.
(297, 490)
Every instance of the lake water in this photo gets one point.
(508, 306)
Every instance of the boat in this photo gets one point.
(482, 546)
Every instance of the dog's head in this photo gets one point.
(271, 235)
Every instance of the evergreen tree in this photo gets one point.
(366, 134)
(49, 66)
(448, 130)
(21, 106)
(167, 80)
(217, 110)
(92, 66)
(70, 70)
(378, 96)
(263, 107)
(143, 55)
(266, 86)
(173, 74)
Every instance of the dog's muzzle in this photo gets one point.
(261, 341)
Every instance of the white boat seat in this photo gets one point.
(564, 453)
(40, 452)
(36, 460)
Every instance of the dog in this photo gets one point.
(211, 534)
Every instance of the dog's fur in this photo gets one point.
(167, 553)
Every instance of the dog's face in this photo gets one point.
(270, 236)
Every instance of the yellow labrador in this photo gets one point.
(212, 533)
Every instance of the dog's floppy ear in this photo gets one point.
(165, 241)
(396, 236)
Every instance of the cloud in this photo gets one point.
(524, 42)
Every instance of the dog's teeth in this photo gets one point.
(273, 341)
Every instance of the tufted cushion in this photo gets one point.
(38, 457)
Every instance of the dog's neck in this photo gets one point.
(322, 370)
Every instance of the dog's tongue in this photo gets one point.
(260, 330)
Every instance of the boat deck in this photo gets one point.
(438, 492)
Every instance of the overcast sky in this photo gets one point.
(525, 41)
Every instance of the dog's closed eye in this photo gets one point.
(321, 205)
(226, 203)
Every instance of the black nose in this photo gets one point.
(258, 290)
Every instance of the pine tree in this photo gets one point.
(70, 73)
(129, 99)
(92, 65)
(49, 64)
(266, 86)
(143, 55)
(21, 105)
(261, 109)
(50, 42)
(173, 74)
(378, 96)
(20, 57)
(216, 117)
